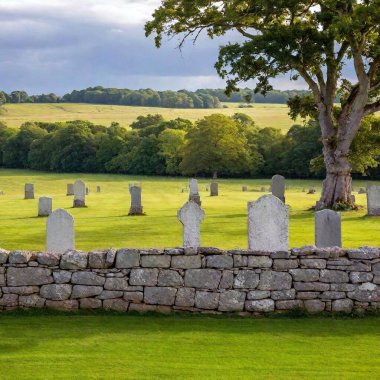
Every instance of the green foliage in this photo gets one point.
(171, 143)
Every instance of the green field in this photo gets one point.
(43, 346)
(265, 115)
(104, 223)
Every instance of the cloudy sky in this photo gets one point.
(61, 45)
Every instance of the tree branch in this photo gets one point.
(372, 108)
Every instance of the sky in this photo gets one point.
(62, 45)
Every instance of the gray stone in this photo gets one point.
(268, 224)
(79, 194)
(259, 261)
(313, 263)
(62, 305)
(289, 304)
(85, 291)
(332, 295)
(136, 205)
(21, 290)
(136, 297)
(333, 276)
(214, 189)
(240, 261)
(56, 292)
(366, 292)
(108, 294)
(289, 294)
(144, 277)
(244, 188)
(31, 301)
(344, 305)
(227, 280)
(305, 275)
(262, 306)
(116, 305)
(194, 194)
(70, 189)
(231, 300)
(270, 280)
(373, 200)
(48, 259)
(127, 258)
(116, 283)
(101, 259)
(361, 254)
(170, 278)
(284, 264)
(155, 261)
(98, 189)
(45, 206)
(29, 191)
(74, 260)
(28, 276)
(358, 277)
(59, 232)
(206, 300)
(202, 278)
(187, 262)
(314, 306)
(9, 301)
(219, 261)
(159, 295)
(343, 287)
(87, 278)
(90, 303)
(278, 187)
(185, 297)
(3, 256)
(311, 286)
(246, 279)
(307, 295)
(19, 257)
(328, 230)
(358, 266)
(191, 216)
(62, 276)
(258, 294)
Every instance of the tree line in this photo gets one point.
(203, 98)
(215, 145)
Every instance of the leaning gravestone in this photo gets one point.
(70, 189)
(214, 187)
(373, 200)
(191, 216)
(311, 190)
(328, 229)
(29, 191)
(59, 232)
(244, 188)
(278, 187)
(268, 224)
(361, 191)
(79, 194)
(194, 194)
(98, 189)
(45, 205)
(136, 206)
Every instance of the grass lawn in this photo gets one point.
(265, 115)
(41, 345)
(104, 223)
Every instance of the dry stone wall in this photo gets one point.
(194, 280)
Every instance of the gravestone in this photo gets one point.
(45, 206)
(191, 216)
(87, 190)
(263, 189)
(311, 190)
(214, 187)
(361, 191)
(278, 187)
(29, 191)
(244, 188)
(59, 232)
(268, 224)
(194, 194)
(303, 190)
(328, 229)
(136, 206)
(70, 189)
(98, 189)
(79, 194)
(373, 200)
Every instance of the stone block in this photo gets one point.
(202, 278)
(116, 283)
(155, 261)
(107, 294)
(143, 277)
(289, 294)
(231, 300)
(332, 295)
(311, 286)
(56, 292)
(85, 291)
(31, 301)
(48, 259)
(9, 301)
(314, 306)
(289, 305)
(313, 263)
(227, 279)
(327, 275)
(62, 276)
(170, 278)
(359, 277)
(259, 261)
(185, 297)
(270, 280)
(219, 261)
(159, 295)
(262, 306)
(74, 260)
(135, 297)
(127, 258)
(187, 262)
(87, 278)
(258, 294)
(3, 256)
(62, 305)
(343, 305)
(304, 275)
(28, 276)
(101, 259)
(284, 264)
(240, 261)
(19, 257)
(116, 305)
(21, 290)
(246, 279)
(90, 303)
(307, 295)
(206, 300)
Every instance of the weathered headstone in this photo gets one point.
(45, 206)
(268, 224)
(87, 190)
(278, 187)
(311, 190)
(244, 188)
(214, 187)
(70, 189)
(361, 191)
(191, 216)
(29, 191)
(59, 231)
(79, 194)
(263, 189)
(373, 200)
(98, 189)
(136, 206)
(194, 194)
(328, 229)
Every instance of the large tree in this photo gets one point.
(310, 38)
